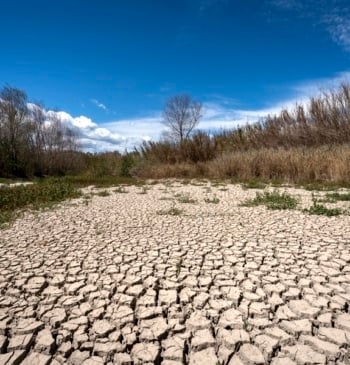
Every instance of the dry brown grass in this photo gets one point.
(310, 143)
(295, 165)
(329, 164)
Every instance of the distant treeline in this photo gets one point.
(325, 120)
(311, 142)
(31, 142)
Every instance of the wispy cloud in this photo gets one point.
(218, 113)
(287, 4)
(98, 104)
(338, 27)
(334, 15)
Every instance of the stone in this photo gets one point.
(44, 341)
(197, 321)
(250, 354)
(343, 321)
(35, 358)
(55, 317)
(12, 358)
(102, 328)
(78, 357)
(329, 349)
(267, 345)
(304, 354)
(20, 342)
(27, 326)
(201, 340)
(303, 309)
(297, 327)
(206, 356)
(231, 319)
(334, 335)
(145, 352)
(153, 329)
(231, 338)
(123, 359)
(167, 297)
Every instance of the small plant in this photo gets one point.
(320, 209)
(186, 199)
(165, 198)
(178, 267)
(253, 184)
(120, 190)
(35, 196)
(273, 200)
(213, 200)
(171, 211)
(143, 190)
(103, 193)
(338, 196)
(320, 187)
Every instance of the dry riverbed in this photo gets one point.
(175, 274)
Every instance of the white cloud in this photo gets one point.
(99, 104)
(332, 14)
(339, 28)
(218, 114)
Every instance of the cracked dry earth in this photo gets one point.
(111, 281)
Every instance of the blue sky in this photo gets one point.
(109, 66)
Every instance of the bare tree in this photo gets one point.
(181, 115)
(31, 141)
(13, 128)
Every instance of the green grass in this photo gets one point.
(170, 211)
(34, 196)
(103, 193)
(320, 209)
(321, 187)
(254, 184)
(273, 200)
(338, 196)
(9, 181)
(101, 181)
(185, 199)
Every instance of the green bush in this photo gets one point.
(34, 196)
(273, 200)
(320, 209)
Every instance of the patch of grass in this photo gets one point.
(321, 187)
(338, 196)
(253, 184)
(320, 209)
(273, 200)
(101, 181)
(185, 199)
(120, 190)
(34, 196)
(9, 181)
(103, 193)
(165, 198)
(171, 211)
(213, 200)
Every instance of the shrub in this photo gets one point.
(273, 200)
(34, 196)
